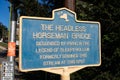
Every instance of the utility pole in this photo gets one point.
(8, 67)
(70, 4)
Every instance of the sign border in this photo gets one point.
(44, 18)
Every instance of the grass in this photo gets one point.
(0, 50)
(3, 44)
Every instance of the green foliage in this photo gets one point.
(3, 31)
(3, 44)
(34, 8)
(58, 3)
(107, 13)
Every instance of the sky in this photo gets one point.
(4, 12)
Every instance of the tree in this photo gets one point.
(58, 3)
(41, 9)
(107, 13)
(3, 31)
(33, 8)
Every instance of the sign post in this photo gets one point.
(60, 44)
(65, 75)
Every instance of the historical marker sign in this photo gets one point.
(60, 41)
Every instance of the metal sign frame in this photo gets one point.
(51, 19)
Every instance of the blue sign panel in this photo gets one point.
(60, 41)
